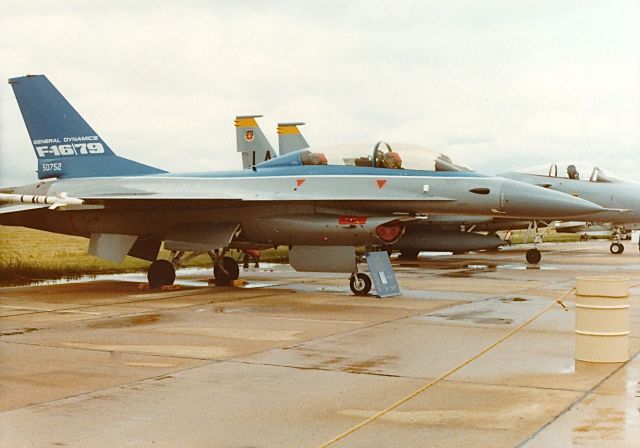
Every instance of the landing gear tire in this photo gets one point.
(408, 254)
(616, 248)
(360, 284)
(533, 256)
(232, 271)
(161, 273)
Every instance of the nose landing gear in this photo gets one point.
(360, 284)
(616, 248)
(534, 256)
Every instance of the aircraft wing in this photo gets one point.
(368, 206)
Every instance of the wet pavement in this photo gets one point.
(294, 359)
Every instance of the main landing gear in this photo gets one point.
(225, 271)
(163, 272)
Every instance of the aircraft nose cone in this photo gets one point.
(528, 201)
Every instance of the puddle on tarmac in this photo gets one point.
(129, 321)
(488, 312)
(474, 316)
(17, 332)
(184, 277)
(526, 266)
(513, 299)
(469, 270)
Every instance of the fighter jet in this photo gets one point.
(620, 198)
(460, 234)
(433, 233)
(322, 211)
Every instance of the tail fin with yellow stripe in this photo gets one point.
(251, 141)
(289, 138)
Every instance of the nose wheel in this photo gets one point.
(616, 248)
(533, 256)
(360, 284)
(161, 273)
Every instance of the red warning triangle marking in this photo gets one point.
(381, 183)
(299, 182)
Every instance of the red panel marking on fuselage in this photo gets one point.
(381, 183)
(299, 182)
(350, 220)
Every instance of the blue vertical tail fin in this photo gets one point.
(65, 145)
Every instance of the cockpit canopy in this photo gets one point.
(380, 155)
(571, 170)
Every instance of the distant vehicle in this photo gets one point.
(322, 211)
(620, 197)
(588, 230)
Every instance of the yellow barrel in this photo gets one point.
(602, 319)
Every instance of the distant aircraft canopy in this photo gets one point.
(571, 170)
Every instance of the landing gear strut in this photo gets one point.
(360, 284)
(161, 273)
(534, 256)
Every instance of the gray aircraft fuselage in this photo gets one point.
(623, 197)
(322, 205)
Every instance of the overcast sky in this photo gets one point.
(495, 84)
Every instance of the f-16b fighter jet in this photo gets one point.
(459, 233)
(321, 211)
(621, 198)
(435, 233)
